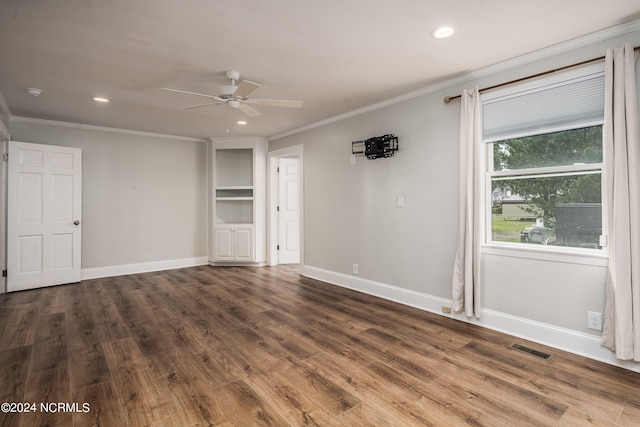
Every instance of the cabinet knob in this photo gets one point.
(76, 222)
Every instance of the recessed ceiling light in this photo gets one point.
(34, 91)
(242, 122)
(443, 32)
(100, 99)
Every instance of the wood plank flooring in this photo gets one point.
(214, 346)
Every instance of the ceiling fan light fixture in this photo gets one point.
(233, 103)
(443, 32)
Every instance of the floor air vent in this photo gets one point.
(531, 351)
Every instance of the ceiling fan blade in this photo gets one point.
(249, 110)
(245, 88)
(278, 102)
(201, 105)
(192, 93)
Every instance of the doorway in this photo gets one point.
(44, 203)
(286, 203)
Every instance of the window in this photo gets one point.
(544, 164)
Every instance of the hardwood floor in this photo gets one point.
(263, 346)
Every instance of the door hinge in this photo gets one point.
(277, 208)
(4, 273)
(277, 248)
(278, 169)
(5, 157)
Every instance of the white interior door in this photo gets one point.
(44, 213)
(289, 211)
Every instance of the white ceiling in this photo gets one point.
(336, 56)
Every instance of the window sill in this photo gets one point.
(593, 257)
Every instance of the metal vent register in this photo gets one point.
(531, 351)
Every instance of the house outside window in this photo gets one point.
(544, 163)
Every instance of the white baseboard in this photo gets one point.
(144, 267)
(553, 336)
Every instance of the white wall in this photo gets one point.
(144, 195)
(407, 254)
(350, 210)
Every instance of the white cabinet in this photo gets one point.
(234, 243)
(238, 207)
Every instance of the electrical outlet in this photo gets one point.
(355, 268)
(594, 320)
(446, 309)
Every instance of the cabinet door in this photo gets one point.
(244, 243)
(224, 247)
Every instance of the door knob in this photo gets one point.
(76, 222)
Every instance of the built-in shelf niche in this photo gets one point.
(234, 168)
(238, 217)
(234, 186)
(234, 211)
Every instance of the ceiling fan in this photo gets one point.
(237, 96)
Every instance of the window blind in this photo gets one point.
(564, 105)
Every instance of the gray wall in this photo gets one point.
(144, 195)
(350, 210)
(351, 214)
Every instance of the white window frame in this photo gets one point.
(542, 252)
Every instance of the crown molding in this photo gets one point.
(30, 120)
(538, 55)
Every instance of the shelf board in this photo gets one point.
(234, 198)
(235, 187)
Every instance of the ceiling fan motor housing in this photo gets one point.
(227, 91)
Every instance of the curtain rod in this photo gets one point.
(448, 99)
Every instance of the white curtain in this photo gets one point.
(466, 271)
(621, 157)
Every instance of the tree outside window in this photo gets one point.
(555, 179)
